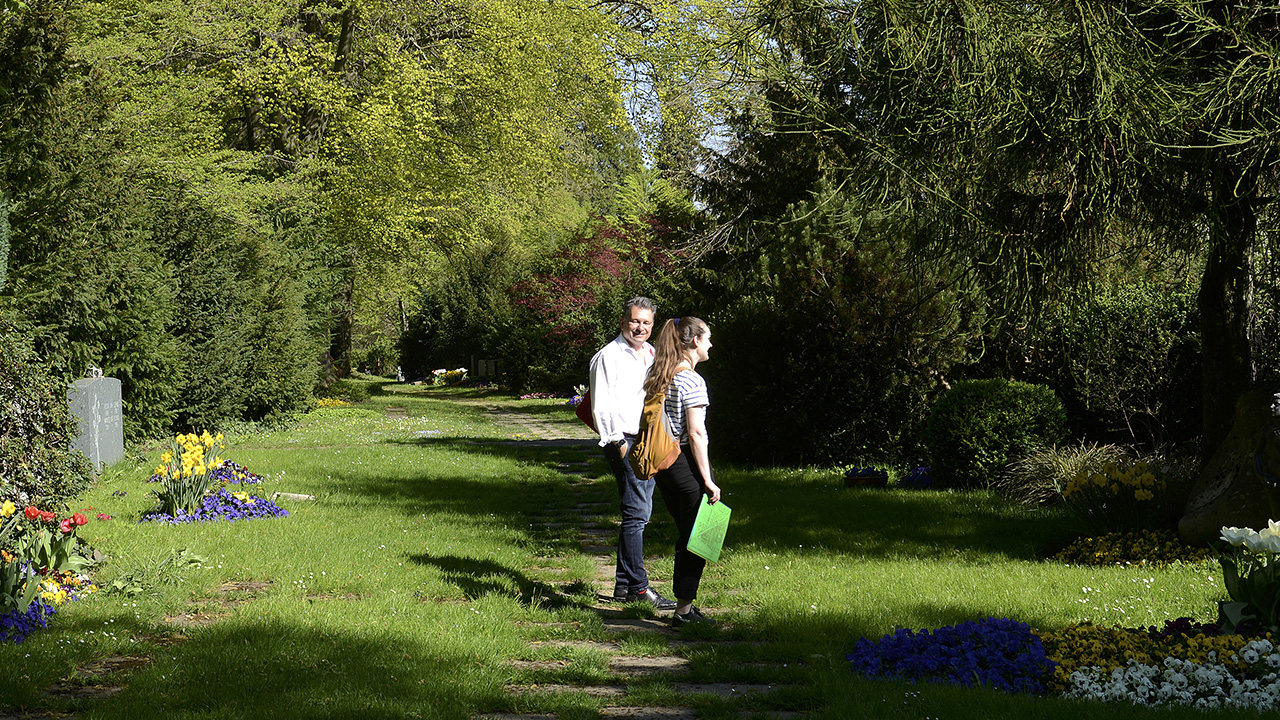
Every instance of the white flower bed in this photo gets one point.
(1181, 682)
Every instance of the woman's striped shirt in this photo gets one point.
(688, 390)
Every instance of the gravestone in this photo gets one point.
(96, 403)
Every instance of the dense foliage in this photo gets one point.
(978, 426)
(1125, 360)
(36, 429)
(834, 343)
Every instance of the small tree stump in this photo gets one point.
(1237, 487)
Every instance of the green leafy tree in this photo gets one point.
(1030, 136)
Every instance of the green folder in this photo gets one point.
(708, 530)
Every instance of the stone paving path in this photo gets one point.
(533, 423)
(663, 659)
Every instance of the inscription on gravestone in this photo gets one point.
(97, 404)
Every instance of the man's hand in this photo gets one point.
(623, 447)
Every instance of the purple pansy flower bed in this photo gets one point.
(994, 652)
(222, 505)
(917, 479)
(16, 625)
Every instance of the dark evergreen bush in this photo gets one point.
(246, 345)
(832, 349)
(37, 465)
(1125, 360)
(979, 426)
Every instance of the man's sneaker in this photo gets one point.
(693, 616)
(620, 593)
(651, 596)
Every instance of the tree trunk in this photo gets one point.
(1226, 300)
(344, 323)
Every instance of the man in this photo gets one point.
(617, 398)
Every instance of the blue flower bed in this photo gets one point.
(917, 479)
(222, 505)
(993, 652)
(865, 472)
(15, 625)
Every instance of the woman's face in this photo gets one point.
(702, 345)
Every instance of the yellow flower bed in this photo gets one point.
(1146, 547)
(1086, 644)
(329, 402)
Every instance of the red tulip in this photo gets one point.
(48, 516)
(31, 512)
(79, 519)
(67, 526)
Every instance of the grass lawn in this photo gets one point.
(433, 558)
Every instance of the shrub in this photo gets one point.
(978, 426)
(566, 310)
(247, 351)
(1038, 477)
(36, 429)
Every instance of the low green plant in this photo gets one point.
(979, 426)
(1038, 477)
(1251, 573)
(169, 568)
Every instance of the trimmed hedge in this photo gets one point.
(979, 426)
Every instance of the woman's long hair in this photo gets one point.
(676, 337)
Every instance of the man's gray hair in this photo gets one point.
(641, 302)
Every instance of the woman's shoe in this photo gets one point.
(693, 616)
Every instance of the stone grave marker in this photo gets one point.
(96, 403)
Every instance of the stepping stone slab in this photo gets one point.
(578, 645)
(627, 665)
(589, 690)
(636, 625)
(291, 496)
(537, 664)
(722, 689)
(649, 713)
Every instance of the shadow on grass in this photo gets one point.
(477, 578)
(270, 668)
(768, 512)
(879, 523)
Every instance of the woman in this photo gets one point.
(682, 344)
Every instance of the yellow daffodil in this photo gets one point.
(8, 509)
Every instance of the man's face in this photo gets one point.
(636, 326)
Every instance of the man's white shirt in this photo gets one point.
(617, 388)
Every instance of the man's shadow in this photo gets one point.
(477, 578)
